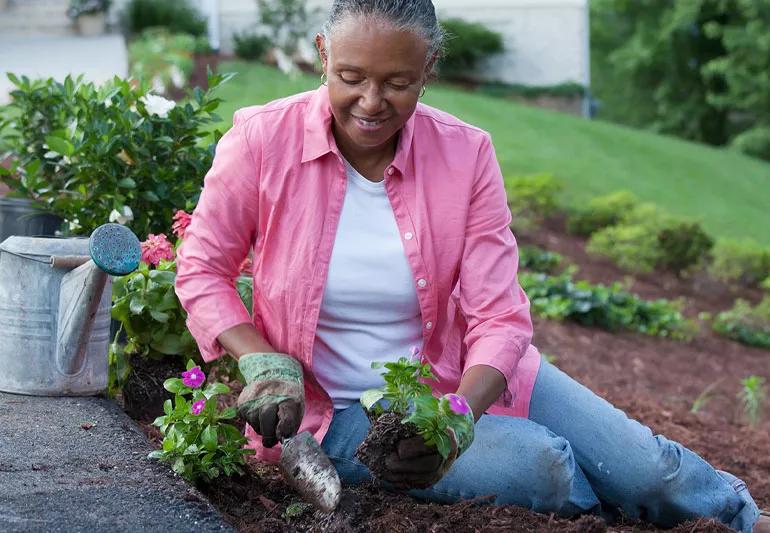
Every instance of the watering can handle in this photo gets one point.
(69, 261)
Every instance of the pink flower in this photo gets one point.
(198, 406)
(458, 404)
(155, 248)
(415, 354)
(194, 377)
(181, 221)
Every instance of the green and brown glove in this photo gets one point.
(417, 465)
(273, 401)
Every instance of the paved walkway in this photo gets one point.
(80, 465)
(99, 58)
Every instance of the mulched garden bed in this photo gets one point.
(654, 380)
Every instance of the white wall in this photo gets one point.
(546, 40)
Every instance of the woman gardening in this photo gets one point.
(376, 224)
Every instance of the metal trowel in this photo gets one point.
(308, 470)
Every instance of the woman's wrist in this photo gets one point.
(243, 339)
(481, 385)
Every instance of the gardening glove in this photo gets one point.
(273, 401)
(417, 465)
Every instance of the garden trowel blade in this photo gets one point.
(308, 470)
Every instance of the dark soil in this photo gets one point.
(381, 441)
(655, 380)
(143, 394)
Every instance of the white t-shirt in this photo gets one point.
(369, 310)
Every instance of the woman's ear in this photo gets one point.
(429, 74)
(320, 44)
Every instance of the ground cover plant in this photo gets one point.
(591, 157)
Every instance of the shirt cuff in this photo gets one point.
(502, 356)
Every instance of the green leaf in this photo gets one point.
(159, 316)
(167, 407)
(371, 397)
(179, 466)
(228, 413)
(156, 454)
(127, 183)
(209, 437)
(216, 388)
(59, 145)
(173, 385)
(151, 196)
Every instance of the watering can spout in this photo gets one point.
(114, 250)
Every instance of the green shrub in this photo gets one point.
(746, 324)
(161, 58)
(178, 16)
(646, 238)
(601, 212)
(743, 262)
(532, 199)
(539, 260)
(251, 46)
(610, 308)
(89, 154)
(633, 248)
(754, 142)
(467, 43)
(683, 245)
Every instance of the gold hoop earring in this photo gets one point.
(424, 88)
(324, 79)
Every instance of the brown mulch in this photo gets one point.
(654, 380)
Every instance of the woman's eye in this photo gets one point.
(350, 81)
(400, 86)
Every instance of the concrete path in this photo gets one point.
(80, 465)
(99, 58)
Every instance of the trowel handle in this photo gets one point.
(69, 261)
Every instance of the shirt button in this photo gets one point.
(421, 283)
(408, 235)
(390, 171)
(428, 325)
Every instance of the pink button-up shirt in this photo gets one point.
(277, 187)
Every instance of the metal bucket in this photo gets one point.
(30, 322)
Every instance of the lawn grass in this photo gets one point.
(728, 192)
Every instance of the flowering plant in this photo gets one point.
(405, 395)
(148, 309)
(196, 442)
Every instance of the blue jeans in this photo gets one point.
(575, 454)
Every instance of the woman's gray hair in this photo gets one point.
(418, 16)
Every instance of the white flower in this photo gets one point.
(157, 105)
(123, 216)
(284, 62)
(74, 225)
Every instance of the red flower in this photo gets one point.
(181, 221)
(155, 248)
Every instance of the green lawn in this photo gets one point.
(728, 192)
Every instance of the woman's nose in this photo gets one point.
(371, 101)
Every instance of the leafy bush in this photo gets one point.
(161, 58)
(286, 22)
(746, 324)
(633, 248)
(251, 46)
(646, 239)
(85, 152)
(467, 43)
(532, 199)
(754, 142)
(601, 212)
(178, 16)
(744, 262)
(539, 260)
(87, 7)
(610, 308)
(196, 441)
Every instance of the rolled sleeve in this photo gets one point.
(218, 239)
(491, 299)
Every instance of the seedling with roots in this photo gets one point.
(752, 397)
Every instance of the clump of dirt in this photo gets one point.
(143, 393)
(382, 439)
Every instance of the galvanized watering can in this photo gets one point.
(55, 310)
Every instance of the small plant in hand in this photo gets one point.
(197, 444)
(405, 407)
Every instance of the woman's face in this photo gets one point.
(375, 73)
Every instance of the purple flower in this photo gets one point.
(415, 355)
(194, 377)
(198, 406)
(458, 404)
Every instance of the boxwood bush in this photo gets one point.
(746, 324)
(467, 43)
(178, 16)
(601, 212)
(532, 199)
(744, 262)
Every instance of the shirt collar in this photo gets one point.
(319, 139)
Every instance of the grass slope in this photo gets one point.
(728, 192)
